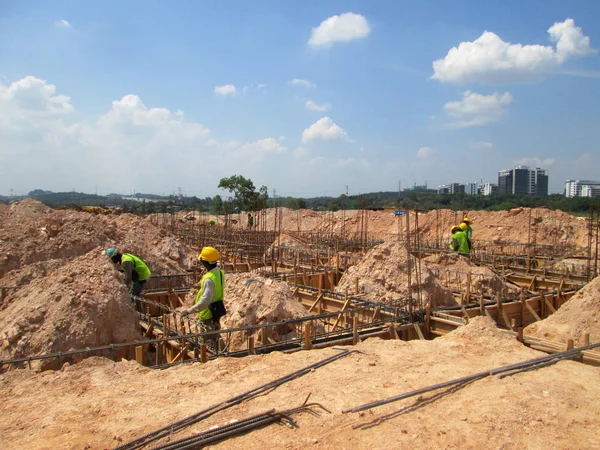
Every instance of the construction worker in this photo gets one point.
(209, 300)
(136, 271)
(459, 241)
(463, 227)
(468, 230)
(250, 221)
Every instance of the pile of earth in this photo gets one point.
(83, 303)
(383, 276)
(452, 269)
(578, 316)
(254, 300)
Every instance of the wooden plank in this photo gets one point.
(533, 313)
(418, 330)
(140, 356)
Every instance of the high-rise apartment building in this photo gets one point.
(523, 181)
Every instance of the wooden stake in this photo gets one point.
(203, 353)
(569, 344)
(251, 350)
(520, 334)
(355, 336)
(468, 292)
(428, 320)
(307, 339)
(356, 285)
(586, 339)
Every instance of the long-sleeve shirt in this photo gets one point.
(128, 271)
(207, 295)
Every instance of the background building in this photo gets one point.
(582, 188)
(523, 181)
(488, 189)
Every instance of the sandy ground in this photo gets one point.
(99, 404)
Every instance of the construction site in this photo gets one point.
(354, 329)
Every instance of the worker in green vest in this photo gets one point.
(459, 242)
(250, 221)
(463, 227)
(468, 230)
(136, 271)
(209, 300)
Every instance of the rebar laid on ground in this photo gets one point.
(201, 415)
(235, 428)
(512, 369)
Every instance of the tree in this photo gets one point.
(217, 205)
(245, 197)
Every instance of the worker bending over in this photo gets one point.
(209, 300)
(459, 242)
(136, 271)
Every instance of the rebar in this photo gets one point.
(248, 395)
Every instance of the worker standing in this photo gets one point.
(209, 300)
(468, 230)
(250, 221)
(463, 228)
(136, 271)
(459, 241)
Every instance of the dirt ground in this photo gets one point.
(98, 404)
(64, 293)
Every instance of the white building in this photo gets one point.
(582, 188)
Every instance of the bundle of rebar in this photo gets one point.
(255, 422)
(205, 413)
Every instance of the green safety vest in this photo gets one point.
(219, 282)
(463, 244)
(139, 266)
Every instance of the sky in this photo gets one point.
(307, 98)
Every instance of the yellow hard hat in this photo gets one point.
(463, 226)
(466, 220)
(209, 254)
(454, 229)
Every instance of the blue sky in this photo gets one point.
(152, 96)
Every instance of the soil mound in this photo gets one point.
(482, 335)
(82, 304)
(253, 300)
(383, 276)
(579, 315)
(31, 233)
(451, 270)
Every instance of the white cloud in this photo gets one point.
(299, 152)
(258, 149)
(316, 107)
(535, 162)
(227, 89)
(476, 109)
(301, 82)
(342, 28)
(482, 145)
(62, 23)
(261, 85)
(324, 129)
(489, 59)
(426, 152)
